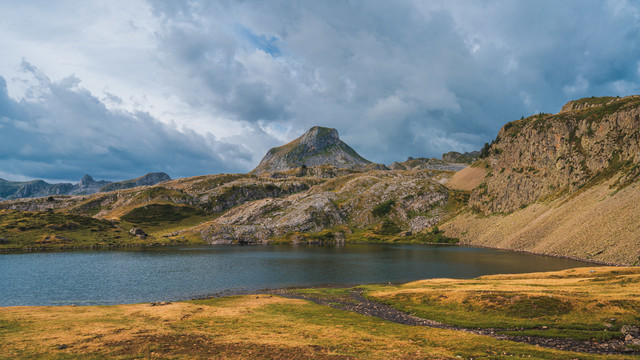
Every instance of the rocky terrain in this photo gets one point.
(387, 202)
(464, 158)
(318, 146)
(547, 155)
(563, 184)
(148, 179)
(427, 164)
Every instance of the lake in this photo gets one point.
(181, 273)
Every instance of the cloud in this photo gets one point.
(61, 131)
(412, 78)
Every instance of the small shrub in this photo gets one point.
(383, 208)
(388, 227)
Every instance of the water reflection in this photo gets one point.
(164, 274)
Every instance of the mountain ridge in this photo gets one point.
(10, 190)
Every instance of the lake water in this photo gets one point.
(171, 274)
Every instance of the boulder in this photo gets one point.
(138, 232)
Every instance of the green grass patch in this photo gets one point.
(384, 208)
(157, 213)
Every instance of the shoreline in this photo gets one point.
(165, 245)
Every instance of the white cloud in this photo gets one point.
(580, 86)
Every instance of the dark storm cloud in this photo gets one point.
(61, 131)
(397, 79)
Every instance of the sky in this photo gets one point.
(120, 88)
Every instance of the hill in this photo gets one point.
(318, 146)
(148, 179)
(563, 184)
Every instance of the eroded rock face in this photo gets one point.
(414, 199)
(318, 146)
(544, 154)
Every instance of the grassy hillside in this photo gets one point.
(598, 223)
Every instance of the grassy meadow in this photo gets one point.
(591, 303)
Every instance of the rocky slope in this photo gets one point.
(427, 164)
(566, 184)
(465, 158)
(318, 146)
(544, 155)
(148, 179)
(401, 201)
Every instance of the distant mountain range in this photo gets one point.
(86, 186)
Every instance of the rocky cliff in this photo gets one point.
(318, 146)
(545, 155)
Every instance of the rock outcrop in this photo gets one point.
(426, 164)
(465, 158)
(318, 146)
(413, 201)
(145, 180)
(546, 155)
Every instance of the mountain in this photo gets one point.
(86, 186)
(8, 189)
(318, 146)
(148, 179)
(564, 184)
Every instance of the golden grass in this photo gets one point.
(598, 224)
(270, 327)
(575, 299)
(467, 179)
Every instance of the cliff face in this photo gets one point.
(589, 141)
(318, 146)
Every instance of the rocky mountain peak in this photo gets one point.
(320, 137)
(86, 181)
(318, 146)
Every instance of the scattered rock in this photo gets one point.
(4, 240)
(160, 303)
(629, 330)
(628, 338)
(139, 233)
(54, 239)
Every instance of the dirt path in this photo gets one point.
(356, 302)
